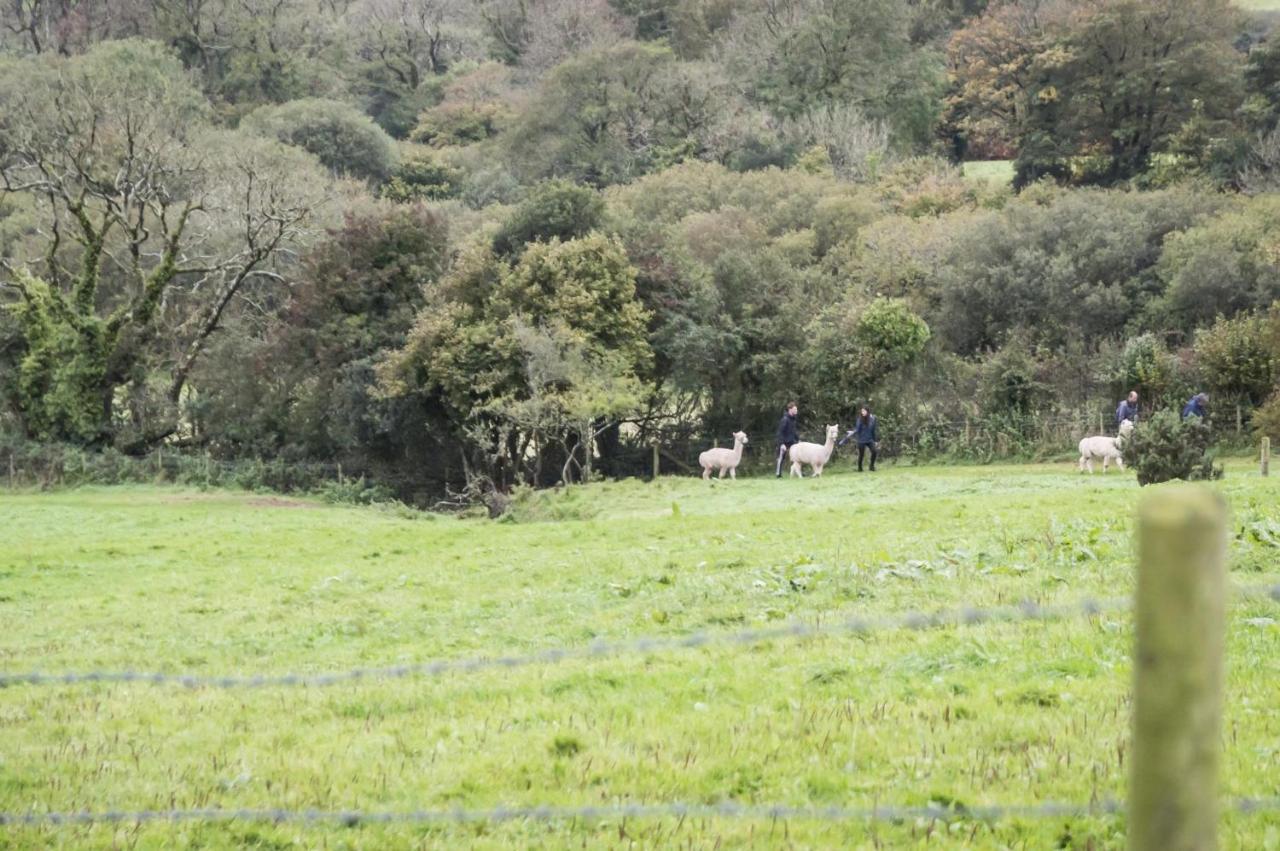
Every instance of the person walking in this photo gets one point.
(788, 435)
(1197, 406)
(1128, 409)
(864, 432)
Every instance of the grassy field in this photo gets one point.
(993, 171)
(220, 582)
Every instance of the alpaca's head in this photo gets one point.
(1126, 428)
(739, 437)
(833, 431)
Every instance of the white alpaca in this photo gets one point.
(814, 454)
(725, 459)
(1106, 448)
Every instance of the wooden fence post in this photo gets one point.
(1178, 662)
(656, 461)
(1266, 456)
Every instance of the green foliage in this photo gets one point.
(856, 350)
(528, 355)
(1164, 447)
(306, 388)
(459, 124)
(422, 177)
(555, 209)
(1266, 419)
(609, 115)
(1144, 364)
(1224, 266)
(1092, 94)
(344, 140)
(61, 375)
(1237, 359)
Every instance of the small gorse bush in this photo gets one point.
(1166, 447)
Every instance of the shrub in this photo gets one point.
(422, 178)
(1266, 419)
(552, 209)
(1165, 447)
(344, 139)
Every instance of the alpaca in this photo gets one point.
(725, 459)
(1106, 448)
(813, 454)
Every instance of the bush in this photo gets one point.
(422, 178)
(1165, 447)
(1266, 419)
(344, 139)
(552, 209)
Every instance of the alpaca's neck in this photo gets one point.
(737, 450)
(829, 445)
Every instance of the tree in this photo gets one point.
(856, 348)
(798, 55)
(344, 140)
(555, 209)
(609, 115)
(1091, 90)
(1238, 360)
(519, 354)
(1226, 265)
(153, 222)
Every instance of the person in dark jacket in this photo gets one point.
(1197, 406)
(788, 436)
(1128, 409)
(864, 432)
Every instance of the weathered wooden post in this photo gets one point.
(1178, 662)
(656, 461)
(1266, 456)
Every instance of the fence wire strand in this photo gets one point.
(916, 620)
(725, 810)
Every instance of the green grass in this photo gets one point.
(993, 171)
(219, 582)
(1261, 5)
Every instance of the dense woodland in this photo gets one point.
(450, 243)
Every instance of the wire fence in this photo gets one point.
(723, 810)
(858, 625)
(956, 617)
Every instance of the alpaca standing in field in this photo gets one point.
(814, 454)
(725, 459)
(1106, 448)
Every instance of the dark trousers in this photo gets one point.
(862, 451)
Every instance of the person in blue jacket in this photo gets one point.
(864, 432)
(788, 436)
(1196, 406)
(1128, 409)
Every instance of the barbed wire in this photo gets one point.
(724, 810)
(860, 625)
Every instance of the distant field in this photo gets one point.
(998, 171)
(218, 582)
(1265, 5)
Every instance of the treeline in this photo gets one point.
(481, 242)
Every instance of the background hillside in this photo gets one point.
(451, 243)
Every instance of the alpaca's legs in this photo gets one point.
(1120, 463)
(721, 472)
(1081, 464)
(706, 473)
(1106, 461)
(796, 469)
(733, 473)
